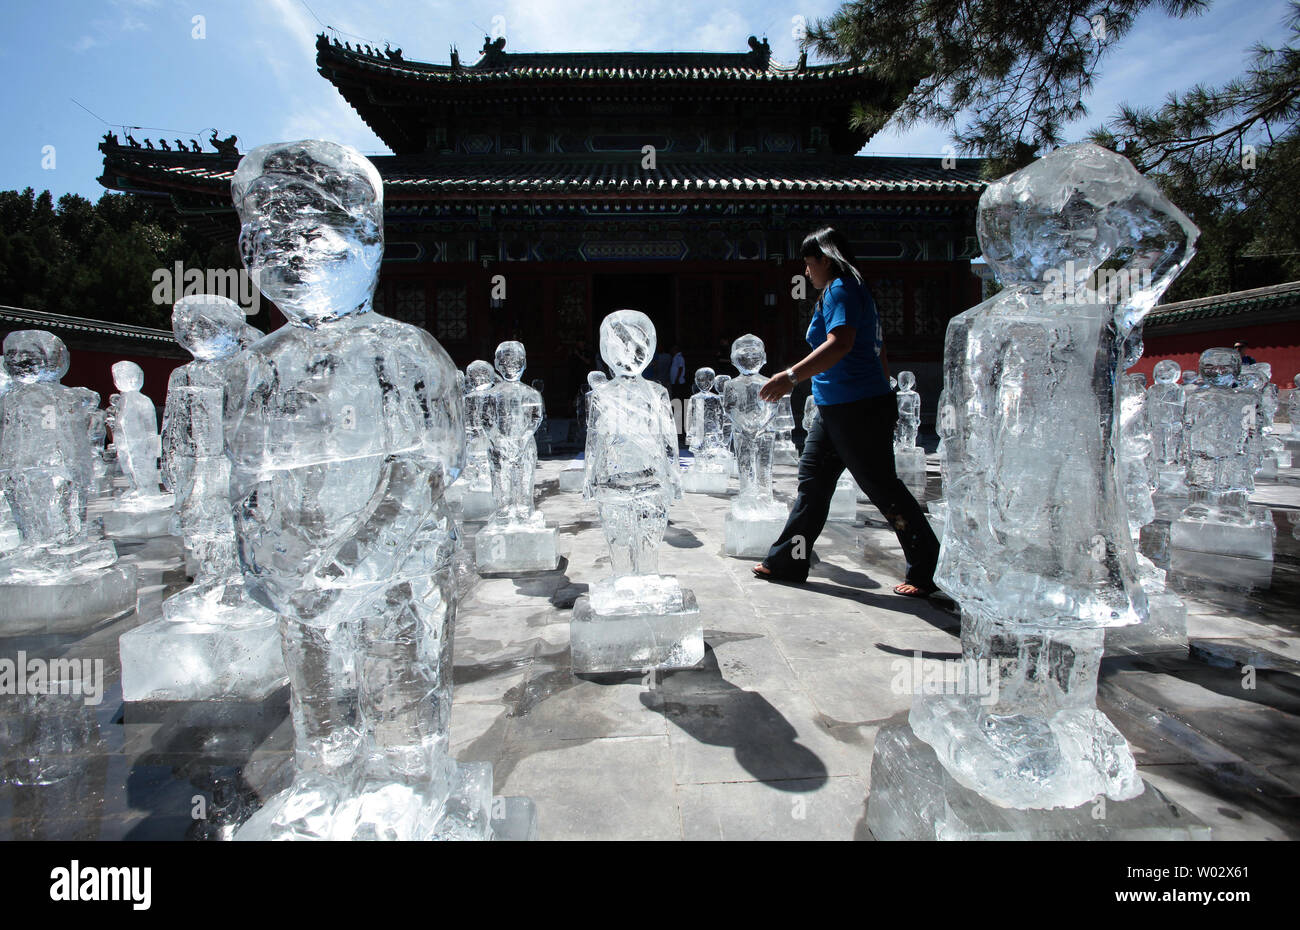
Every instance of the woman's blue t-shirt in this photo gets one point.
(859, 374)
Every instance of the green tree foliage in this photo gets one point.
(94, 260)
(1004, 76)
(1230, 157)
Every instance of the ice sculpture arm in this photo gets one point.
(694, 422)
(595, 445)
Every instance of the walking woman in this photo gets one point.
(854, 428)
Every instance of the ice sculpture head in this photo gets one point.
(1084, 205)
(208, 326)
(906, 381)
(627, 342)
(748, 354)
(704, 379)
(511, 360)
(596, 378)
(478, 375)
(33, 355)
(312, 227)
(128, 376)
(1220, 367)
(720, 382)
(1166, 372)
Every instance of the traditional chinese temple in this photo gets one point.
(677, 183)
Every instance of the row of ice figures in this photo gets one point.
(59, 568)
(1200, 445)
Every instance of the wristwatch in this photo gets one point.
(789, 373)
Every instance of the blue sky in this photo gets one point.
(136, 62)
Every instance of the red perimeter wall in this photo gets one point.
(1275, 343)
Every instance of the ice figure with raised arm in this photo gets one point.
(214, 640)
(909, 458)
(473, 490)
(706, 438)
(345, 428)
(638, 618)
(1220, 426)
(1037, 549)
(143, 510)
(516, 538)
(756, 517)
(57, 579)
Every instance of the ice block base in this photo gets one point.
(844, 505)
(1252, 540)
(751, 537)
(516, 549)
(572, 475)
(138, 524)
(170, 660)
(315, 808)
(914, 798)
(696, 480)
(635, 641)
(81, 603)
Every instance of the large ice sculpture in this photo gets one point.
(638, 618)
(56, 580)
(1036, 548)
(143, 510)
(213, 639)
(706, 437)
(1220, 426)
(756, 518)
(345, 429)
(516, 538)
(909, 458)
(473, 490)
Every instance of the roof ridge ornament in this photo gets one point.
(494, 52)
(760, 52)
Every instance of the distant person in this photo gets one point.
(1241, 350)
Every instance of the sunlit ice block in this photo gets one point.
(572, 475)
(749, 537)
(139, 518)
(699, 480)
(177, 660)
(516, 548)
(1253, 539)
(914, 798)
(1214, 570)
(1169, 506)
(634, 639)
(1267, 467)
(1165, 629)
(844, 505)
(477, 504)
(79, 602)
(457, 807)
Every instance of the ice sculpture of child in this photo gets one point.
(1163, 406)
(706, 438)
(512, 414)
(756, 517)
(638, 618)
(135, 434)
(346, 427)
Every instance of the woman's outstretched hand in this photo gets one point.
(776, 387)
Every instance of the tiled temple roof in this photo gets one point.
(583, 177)
(498, 66)
(1272, 301)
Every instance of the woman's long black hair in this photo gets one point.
(831, 243)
